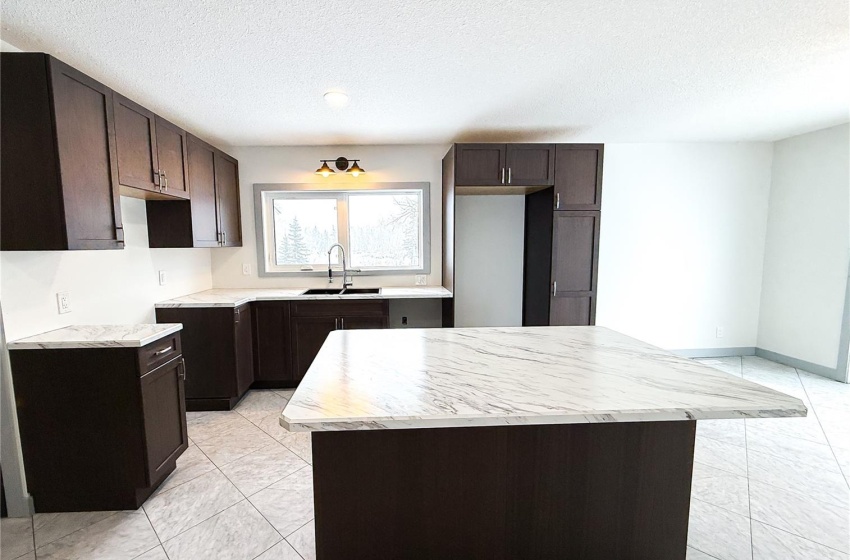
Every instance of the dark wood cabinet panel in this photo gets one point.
(575, 258)
(172, 155)
(272, 355)
(244, 349)
(575, 243)
(202, 186)
(109, 437)
(209, 340)
(348, 323)
(135, 146)
(227, 194)
(339, 308)
(59, 168)
(568, 311)
(164, 413)
(308, 335)
(480, 164)
(530, 164)
(578, 176)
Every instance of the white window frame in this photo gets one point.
(266, 193)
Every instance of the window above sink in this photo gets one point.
(384, 227)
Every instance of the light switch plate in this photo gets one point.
(246, 269)
(63, 301)
(420, 280)
(162, 278)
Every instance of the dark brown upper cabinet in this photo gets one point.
(480, 164)
(508, 165)
(151, 153)
(212, 217)
(530, 165)
(578, 176)
(58, 165)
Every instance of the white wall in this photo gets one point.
(297, 165)
(682, 241)
(108, 287)
(489, 234)
(808, 247)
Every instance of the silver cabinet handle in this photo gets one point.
(503, 175)
(557, 200)
(554, 287)
(509, 175)
(336, 323)
(164, 180)
(157, 179)
(163, 351)
(183, 368)
(342, 323)
(224, 238)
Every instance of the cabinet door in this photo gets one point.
(85, 140)
(164, 414)
(172, 154)
(244, 349)
(530, 164)
(578, 176)
(201, 159)
(575, 256)
(308, 335)
(272, 355)
(135, 145)
(480, 164)
(354, 323)
(227, 193)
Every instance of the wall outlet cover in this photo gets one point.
(63, 301)
(162, 278)
(420, 280)
(720, 332)
(246, 269)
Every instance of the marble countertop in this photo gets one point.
(97, 336)
(227, 297)
(431, 378)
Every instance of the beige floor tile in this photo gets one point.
(721, 455)
(287, 504)
(773, 544)
(718, 532)
(15, 536)
(304, 541)
(124, 535)
(259, 469)
(721, 489)
(52, 526)
(281, 551)
(190, 465)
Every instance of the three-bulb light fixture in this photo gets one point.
(341, 163)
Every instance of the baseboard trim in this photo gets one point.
(831, 373)
(716, 352)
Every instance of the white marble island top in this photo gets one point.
(97, 336)
(234, 297)
(432, 378)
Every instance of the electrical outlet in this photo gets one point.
(404, 321)
(246, 269)
(720, 332)
(420, 280)
(63, 301)
(162, 278)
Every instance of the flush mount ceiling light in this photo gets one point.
(336, 99)
(341, 163)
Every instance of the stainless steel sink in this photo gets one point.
(353, 291)
(322, 292)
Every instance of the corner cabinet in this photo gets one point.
(218, 349)
(114, 431)
(212, 217)
(58, 165)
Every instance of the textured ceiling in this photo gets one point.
(433, 71)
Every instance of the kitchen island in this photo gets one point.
(546, 442)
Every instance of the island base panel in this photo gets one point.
(589, 491)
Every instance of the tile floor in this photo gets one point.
(762, 489)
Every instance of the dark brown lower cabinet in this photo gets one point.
(272, 355)
(313, 321)
(575, 259)
(218, 349)
(101, 428)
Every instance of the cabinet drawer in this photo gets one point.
(338, 308)
(159, 352)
